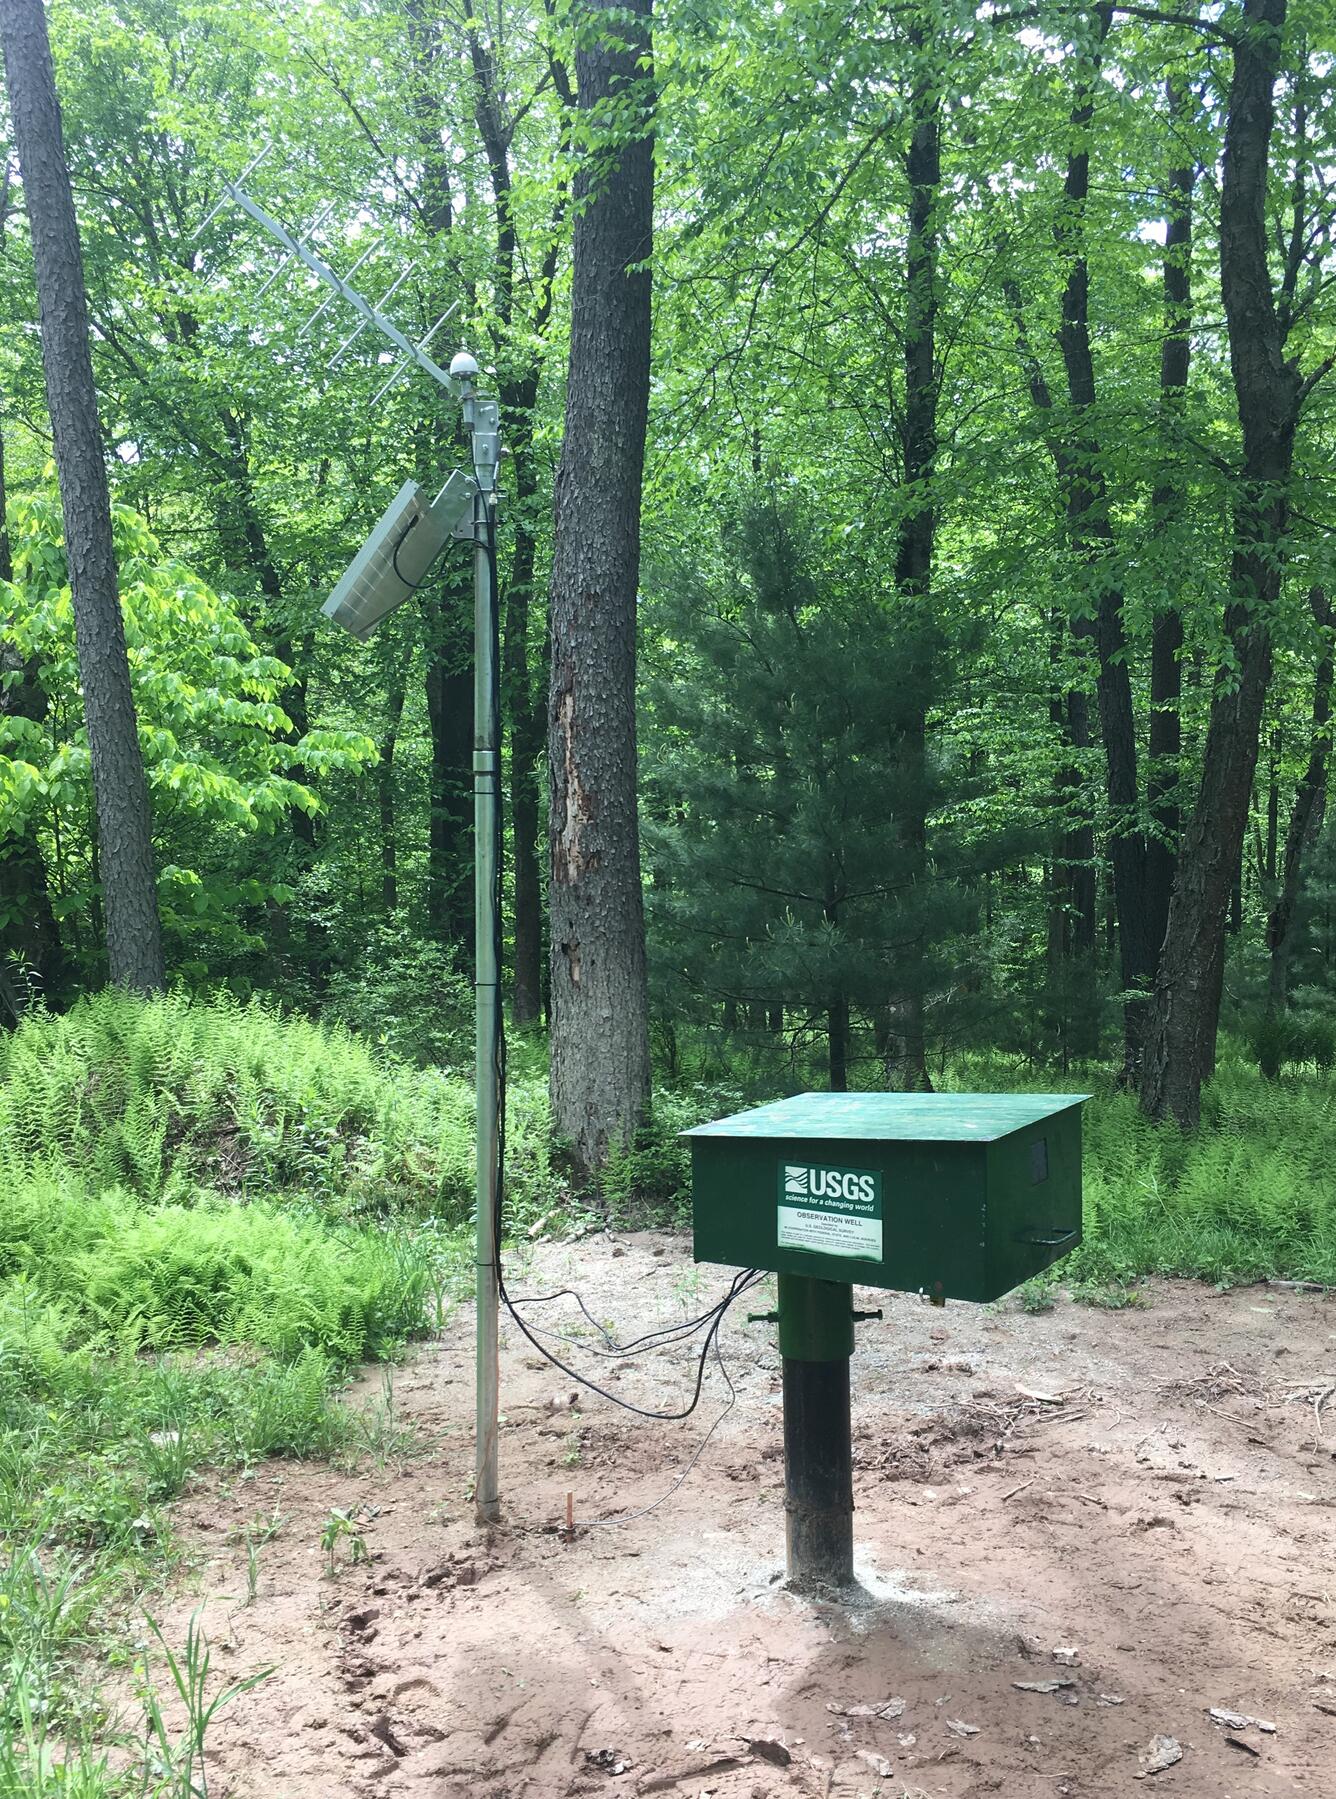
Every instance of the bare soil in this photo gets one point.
(1138, 1503)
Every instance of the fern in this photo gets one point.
(174, 1095)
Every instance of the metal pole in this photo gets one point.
(481, 419)
(816, 1339)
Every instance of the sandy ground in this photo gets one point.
(1138, 1504)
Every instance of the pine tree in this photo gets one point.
(788, 778)
(600, 1070)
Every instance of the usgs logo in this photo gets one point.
(829, 1183)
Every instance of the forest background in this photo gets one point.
(985, 515)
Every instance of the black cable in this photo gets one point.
(664, 1338)
(740, 1284)
(684, 1327)
(412, 586)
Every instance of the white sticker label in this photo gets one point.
(830, 1211)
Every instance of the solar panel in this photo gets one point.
(394, 560)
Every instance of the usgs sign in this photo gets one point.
(830, 1211)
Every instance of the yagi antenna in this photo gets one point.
(298, 249)
(305, 238)
(357, 331)
(320, 311)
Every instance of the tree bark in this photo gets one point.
(837, 1043)
(600, 1068)
(133, 931)
(526, 747)
(1180, 1051)
(1165, 739)
(1306, 815)
(906, 1060)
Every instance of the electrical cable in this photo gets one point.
(642, 1345)
(741, 1282)
(412, 586)
(645, 1510)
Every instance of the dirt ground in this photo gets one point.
(1137, 1504)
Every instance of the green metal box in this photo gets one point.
(957, 1195)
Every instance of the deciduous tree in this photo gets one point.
(134, 940)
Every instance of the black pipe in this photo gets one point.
(818, 1474)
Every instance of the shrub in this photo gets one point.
(408, 995)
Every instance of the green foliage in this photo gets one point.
(219, 750)
(651, 1181)
(1252, 1193)
(1288, 1039)
(406, 994)
(1037, 1294)
(790, 787)
(341, 1527)
(174, 1297)
(174, 1097)
(174, 1277)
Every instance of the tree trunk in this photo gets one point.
(518, 393)
(449, 684)
(134, 939)
(1306, 816)
(1090, 527)
(1165, 740)
(600, 1035)
(524, 705)
(524, 699)
(906, 1064)
(837, 1043)
(1268, 390)
(31, 969)
(904, 1054)
(1069, 714)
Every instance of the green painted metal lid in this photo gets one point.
(897, 1117)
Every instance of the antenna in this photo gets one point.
(389, 568)
(298, 249)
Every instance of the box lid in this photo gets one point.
(898, 1117)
